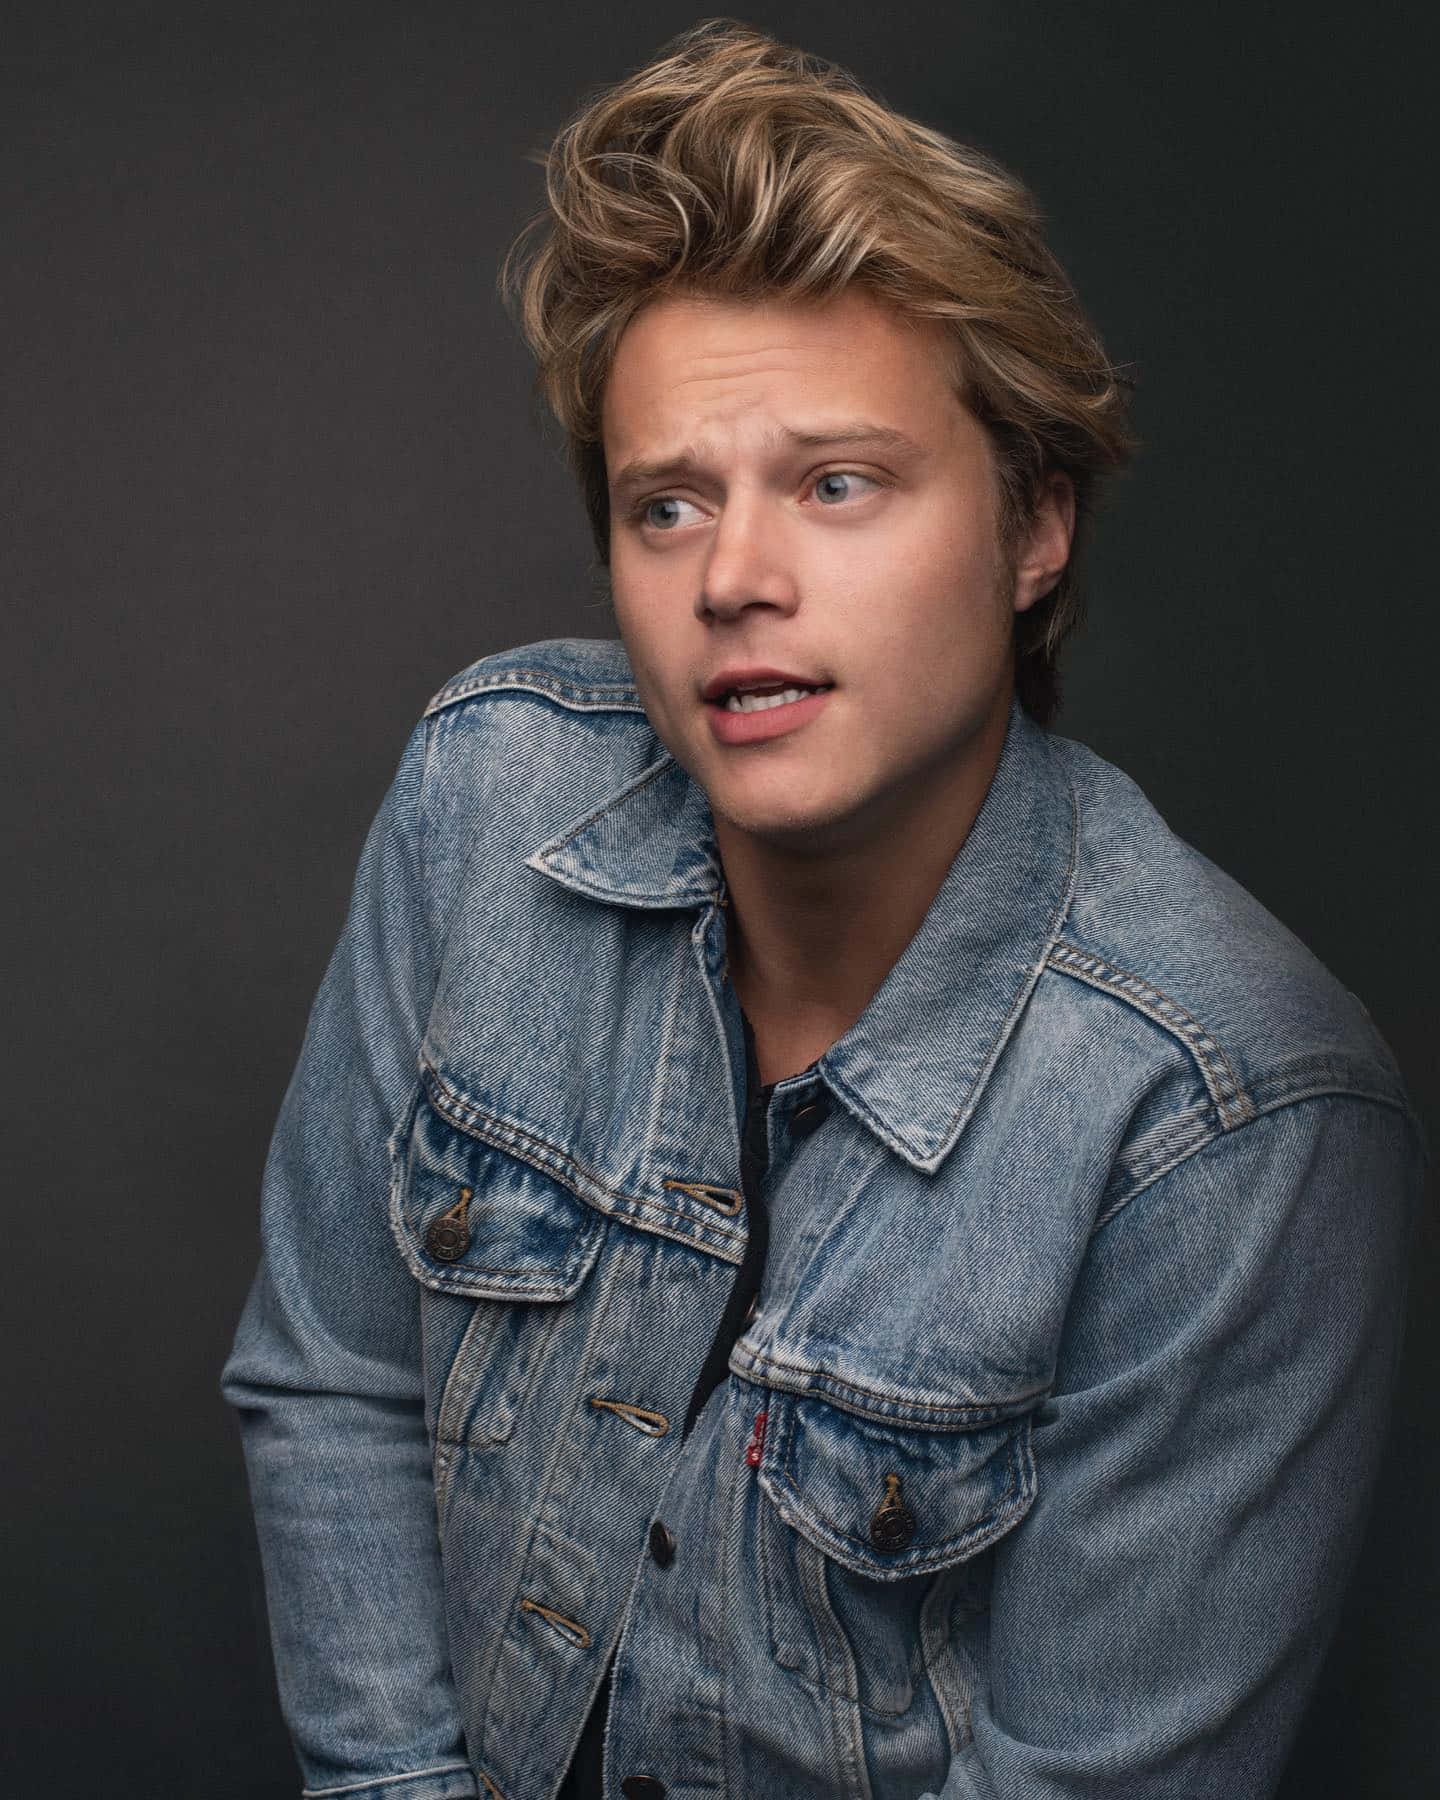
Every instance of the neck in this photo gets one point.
(813, 935)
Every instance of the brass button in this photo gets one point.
(811, 1116)
(662, 1543)
(642, 1787)
(447, 1240)
(892, 1524)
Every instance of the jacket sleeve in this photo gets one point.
(325, 1372)
(1204, 1465)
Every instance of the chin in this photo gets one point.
(809, 829)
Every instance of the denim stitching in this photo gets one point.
(422, 838)
(1277, 1105)
(948, 1668)
(979, 1533)
(767, 1545)
(1234, 1105)
(1144, 1163)
(706, 1192)
(929, 1160)
(461, 1380)
(540, 1539)
(680, 893)
(358, 1787)
(598, 697)
(836, 1669)
(566, 1169)
(966, 1415)
(643, 780)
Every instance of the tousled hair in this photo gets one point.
(735, 167)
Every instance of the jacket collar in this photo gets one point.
(913, 1066)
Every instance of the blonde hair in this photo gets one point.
(736, 167)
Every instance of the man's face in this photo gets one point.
(816, 520)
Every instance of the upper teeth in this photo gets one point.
(759, 702)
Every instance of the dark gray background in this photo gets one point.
(272, 472)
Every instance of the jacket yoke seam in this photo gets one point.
(591, 697)
(1281, 1101)
(1233, 1105)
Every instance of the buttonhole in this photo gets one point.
(648, 1423)
(722, 1199)
(567, 1628)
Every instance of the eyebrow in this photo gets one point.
(690, 460)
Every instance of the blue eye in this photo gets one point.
(842, 475)
(648, 512)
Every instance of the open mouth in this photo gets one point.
(761, 699)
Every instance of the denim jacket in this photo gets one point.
(1041, 1462)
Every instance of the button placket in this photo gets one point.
(642, 1787)
(811, 1116)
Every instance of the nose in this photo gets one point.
(749, 563)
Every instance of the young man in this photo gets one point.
(813, 1248)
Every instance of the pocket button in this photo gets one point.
(892, 1524)
(662, 1544)
(447, 1240)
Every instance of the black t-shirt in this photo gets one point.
(583, 1781)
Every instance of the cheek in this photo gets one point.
(968, 591)
(947, 643)
(652, 657)
(643, 589)
(633, 616)
(943, 560)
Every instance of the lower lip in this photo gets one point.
(769, 722)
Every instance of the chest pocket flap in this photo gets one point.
(891, 1501)
(476, 1220)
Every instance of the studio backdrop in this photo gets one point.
(273, 471)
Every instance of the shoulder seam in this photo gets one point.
(1232, 1104)
(617, 696)
(1370, 1096)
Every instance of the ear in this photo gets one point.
(1044, 548)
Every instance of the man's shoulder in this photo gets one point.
(1159, 927)
(535, 734)
(578, 674)
(521, 744)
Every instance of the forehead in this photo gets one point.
(684, 359)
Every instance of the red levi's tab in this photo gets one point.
(756, 1447)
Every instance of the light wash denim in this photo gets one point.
(1073, 1350)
